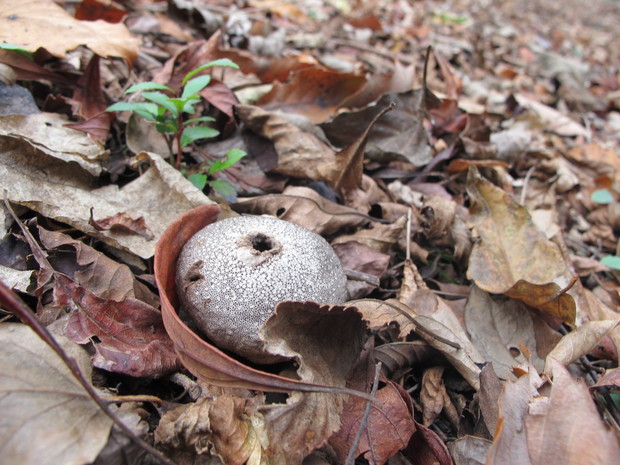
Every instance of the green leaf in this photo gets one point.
(138, 107)
(194, 133)
(612, 261)
(202, 119)
(602, 196)
(15, 48)
(220, 62)
(162, 100)
(199, 180)
(194, 86)
(232, 157)
(148, 86)
(223, 188)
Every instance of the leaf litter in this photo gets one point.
(460, 185)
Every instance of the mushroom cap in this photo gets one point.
(232, 273)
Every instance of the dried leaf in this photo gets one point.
(390, 423)
(300, 153)
(93, 270)
(130, 336)
(469, 450)
(502, 261)
(43, 23)
(122, 222)
(444, 333)
(313, 92)
(47, 416)
(510, 443)
(566, 427)
(499, 328)
(67, 193)
(379, 237)
(226, 426)
(578, 343)
(326, 342)
(397, 357)
(432, 394)
(305, 207)
(47, 132)
(399, 135)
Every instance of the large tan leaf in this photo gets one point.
(510, 443)
(499, 328)
(65, 192)
(47, 132)
(34, 24)
(47, 416)
(512, 256)
(567, 428)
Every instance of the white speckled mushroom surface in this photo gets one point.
(232, 273)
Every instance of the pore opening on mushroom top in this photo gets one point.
(262, 242)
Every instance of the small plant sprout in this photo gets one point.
(171, 113)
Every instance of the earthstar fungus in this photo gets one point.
(232, 273)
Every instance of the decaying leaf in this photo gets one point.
(326, 341)
(224, 426)
(510, 443)
(122, 222)
(500, 328)
(512, 256)
(578, 343)
(305, 207)
(37, 24)
(566, 426)
(398, 135)
(93, 270)
(379, 237)
(390, 423)
(129, 335)
(46, 132)
(47, 416)
(313, 92)
(65, 192)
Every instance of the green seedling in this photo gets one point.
(171, 113)
(200, 180)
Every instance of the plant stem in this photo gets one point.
(177, 138)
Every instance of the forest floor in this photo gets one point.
(461, 158)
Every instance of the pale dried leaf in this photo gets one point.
(469, 450)
(432, 394)
(65, 192)
(501, 261)
(224, 426)
(32, 24)
(498, 328)
(47, 132)
(15, 279)
(567, 428)
(47, 416)
(578, 343)
(510, 443)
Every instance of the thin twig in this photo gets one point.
(363, 277)
(373, 393)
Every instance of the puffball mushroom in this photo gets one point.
(232, 273)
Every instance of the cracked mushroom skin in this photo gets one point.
(232, 273)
